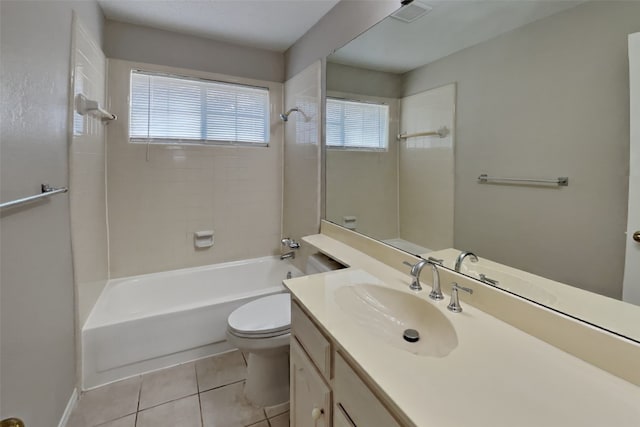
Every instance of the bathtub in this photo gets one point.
(153, 321)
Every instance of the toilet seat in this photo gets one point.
(262, 318)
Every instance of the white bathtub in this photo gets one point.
(153, 321)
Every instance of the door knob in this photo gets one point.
(636, 236)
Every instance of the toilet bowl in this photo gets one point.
(262, 328)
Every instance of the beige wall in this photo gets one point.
(154, 46)
(87, 178)
(340, 25)
(426, 168)
(364, 184)
(37, 359)
(549, 99)
(155, 206)
(343, 78)
(301, 203)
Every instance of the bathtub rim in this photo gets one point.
(91, 323)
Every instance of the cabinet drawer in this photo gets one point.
(360, 405)
(312, 340)
(310, 396)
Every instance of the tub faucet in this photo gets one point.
(290, 243)
(288, 255)
(461, 258)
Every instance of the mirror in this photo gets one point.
(429, 121)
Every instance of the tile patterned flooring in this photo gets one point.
(204, 393)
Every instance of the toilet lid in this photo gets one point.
(263, 317)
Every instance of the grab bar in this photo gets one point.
(562, 181)
(46, 192)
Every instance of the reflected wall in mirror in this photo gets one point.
(535, 89)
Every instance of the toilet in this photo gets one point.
(262, 328)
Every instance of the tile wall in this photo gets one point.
(160, 195)
(364, 184)
(301, 207)
(426, 168)
(87, 184)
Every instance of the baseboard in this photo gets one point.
(71, 405)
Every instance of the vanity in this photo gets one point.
(350, 365)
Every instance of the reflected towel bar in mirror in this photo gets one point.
(562, 181)
(442, 132)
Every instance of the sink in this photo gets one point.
(386, 313)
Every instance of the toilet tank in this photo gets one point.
(320, 263)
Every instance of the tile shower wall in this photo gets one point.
(87, 186)
(301, 207)
(426, 168)
(157, 202)
(364, 184)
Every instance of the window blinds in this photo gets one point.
(357, 125)
(179, 109)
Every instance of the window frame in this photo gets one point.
(360, 101)
(220, 79)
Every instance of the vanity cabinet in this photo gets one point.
(325, 390)
(310, 395)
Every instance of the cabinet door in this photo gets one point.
(359, 404)
(310, 396)
(340, 418)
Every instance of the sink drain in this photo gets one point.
(411, 335)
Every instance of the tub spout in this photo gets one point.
(288, 255)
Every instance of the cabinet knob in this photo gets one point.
(636, 236)
(316, 413)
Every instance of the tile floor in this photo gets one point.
(204, 393)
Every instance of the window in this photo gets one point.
(179, 109)
(357, 125)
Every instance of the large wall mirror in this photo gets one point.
(500, 128)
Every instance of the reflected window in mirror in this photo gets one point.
(357, 125)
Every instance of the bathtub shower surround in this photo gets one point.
(156, 205)
(157, 320)
(87, 196)
(302, 199)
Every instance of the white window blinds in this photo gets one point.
(179, 109)
(357, 125)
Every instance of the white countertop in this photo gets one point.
(496, 376)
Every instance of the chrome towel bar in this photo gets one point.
(46, 192)
(442, 132)
(562, 181)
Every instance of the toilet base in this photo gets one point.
(267, 378)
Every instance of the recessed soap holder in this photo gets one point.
(203, 239)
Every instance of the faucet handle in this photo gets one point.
(436, 260)
(490, 281)
(292, 244)
(454, 305)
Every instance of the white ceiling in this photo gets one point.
(452, 25)
(267, 24)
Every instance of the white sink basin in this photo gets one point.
(386, 313)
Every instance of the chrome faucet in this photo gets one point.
(290, 243)
(461, 258)
(436, 292)
(288, 255)
(416, 269)
(454, 305)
